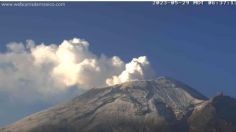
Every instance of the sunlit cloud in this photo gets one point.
(30, 71)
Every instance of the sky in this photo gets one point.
(193, 44)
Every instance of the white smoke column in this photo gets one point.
(39, 71)
(137, 69)
(74, 64)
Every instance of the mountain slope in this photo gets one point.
(163, 105)
(216, 115)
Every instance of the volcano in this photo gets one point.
(161, 105)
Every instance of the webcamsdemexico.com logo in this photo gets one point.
(33, 4)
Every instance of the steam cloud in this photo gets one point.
(137, 69)
(46, 70)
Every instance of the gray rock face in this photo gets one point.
(163, 105)
(215, 115)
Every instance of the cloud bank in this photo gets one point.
(31, 71)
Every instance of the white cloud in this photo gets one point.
(30, 71)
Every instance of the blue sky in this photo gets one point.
(193, 44)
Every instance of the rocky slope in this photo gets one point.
(163, 105)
